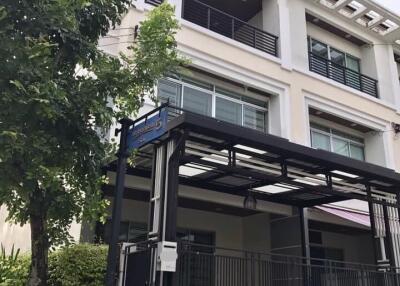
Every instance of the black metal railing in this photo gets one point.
(343, 75)
(229, 26)
(153, 2)
(199, 265)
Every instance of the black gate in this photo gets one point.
(138, 268)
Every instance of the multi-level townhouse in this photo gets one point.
(278, 153)
(279, 158)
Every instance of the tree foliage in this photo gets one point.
(53, 116)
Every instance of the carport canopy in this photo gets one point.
(224, 157)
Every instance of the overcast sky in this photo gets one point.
(393, 5)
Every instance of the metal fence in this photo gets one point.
(343, 75)
(199, 265)
(229, 26)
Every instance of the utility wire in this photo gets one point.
(117, 36)
(106, 45)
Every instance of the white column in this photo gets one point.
(285, 41)
(139, 4)
(178, 7)
(378, 62)
(297, 34)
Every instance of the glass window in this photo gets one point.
(254, 118)
(342, 143)
(353, 63)
(168, 90)
(319, 49)
(357, 152)
(340, 146)
(197, 83)
(197, 101)
(228, 111)
(338, 57)
(207, 99)
(320, 141)
(227, 93)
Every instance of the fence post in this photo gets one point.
(255, 38)
(208, 18)
(327, 62)
(233, 28)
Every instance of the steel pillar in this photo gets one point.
(122, 155)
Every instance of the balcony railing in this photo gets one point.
(200, 265)
(153, 2)
(229, 26)
(343, 75)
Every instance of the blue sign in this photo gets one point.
(147, 130)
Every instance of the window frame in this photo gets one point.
(216, 94)
(329, 47)
(332, 135)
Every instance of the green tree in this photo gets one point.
(53, 117)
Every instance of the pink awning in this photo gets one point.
(356, 217)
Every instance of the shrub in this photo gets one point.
(13, 268)
(77, 265)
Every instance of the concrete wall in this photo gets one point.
(249, 233)
(11, 234)
(257, 233)
(257, 20)
(356, 248)
(270, 17)
(20, 236)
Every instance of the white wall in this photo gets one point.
(356, 248)
(249, 233)
(257, 21)
(380, 65)
(11, 234)
(20, 236)
(270, 17)
(257, 233)
(298, 34)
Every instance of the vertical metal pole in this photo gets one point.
(388, 234)
(171, 200)
(305, 239)
(372, 221)
(117, 204)
(151, 204)
(233, 28)
(305, 243)
(398, 203)
(209, 18)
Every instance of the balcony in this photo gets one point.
(200, 265)
(343, 75)
(229, 26)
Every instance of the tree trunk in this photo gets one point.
(39, 241)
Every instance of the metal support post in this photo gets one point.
(117, 203)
